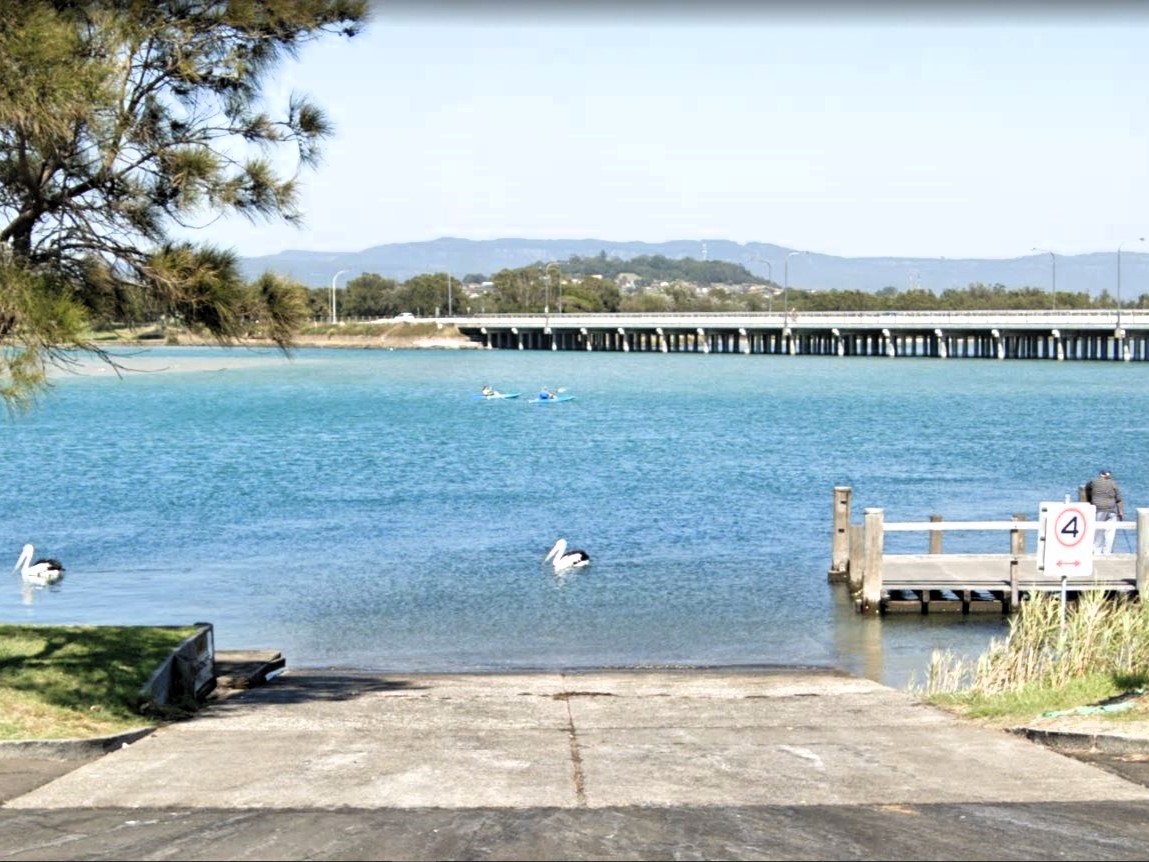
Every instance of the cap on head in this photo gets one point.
(1106, 473)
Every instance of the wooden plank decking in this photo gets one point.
(987, 583)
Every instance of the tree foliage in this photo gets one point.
(123, 122)
(371, 295)
(659, 268)
(559, 287)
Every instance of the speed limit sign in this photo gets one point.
(1066, 539)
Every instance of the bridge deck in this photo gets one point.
(1094, 334)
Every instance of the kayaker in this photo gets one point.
(487, 390)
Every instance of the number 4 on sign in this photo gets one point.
(1066, 539)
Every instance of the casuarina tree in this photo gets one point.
(123, 124)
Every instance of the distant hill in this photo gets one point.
(1088, 273)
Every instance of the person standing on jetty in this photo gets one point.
(1105, 495)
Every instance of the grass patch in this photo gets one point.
(313, 334)
(346, 330)
(385, 329)
(65, 682)
(1031, 701)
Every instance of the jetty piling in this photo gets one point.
(840, 545)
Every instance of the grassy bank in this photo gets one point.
(77, 682)
(384, 335)
(1088, 655)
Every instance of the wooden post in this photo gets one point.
(1016, 552)
(1017, 537)
(874, 520)
(1142, 553)
(1081, 494)
(857, 564)
(840, 542)
(1014, 592)
(935, 536)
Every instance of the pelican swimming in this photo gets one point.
(563, 559)
(43, 571)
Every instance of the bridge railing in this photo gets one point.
(1101, 318)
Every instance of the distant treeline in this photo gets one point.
(656, 283)
(655, 269)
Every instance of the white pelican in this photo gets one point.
(563, 559)
(43, 571)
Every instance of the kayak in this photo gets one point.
(555, 400)
(497, 396)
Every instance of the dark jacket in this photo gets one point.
(1103, 493)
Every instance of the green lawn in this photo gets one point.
(75, 682)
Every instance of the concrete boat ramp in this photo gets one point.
(725, 763)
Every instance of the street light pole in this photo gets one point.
(334, 278)
(1139, 239)
(449, 295)
(1053, 276)
(786, 280)
(769, 278)
(559, 283)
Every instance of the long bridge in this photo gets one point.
(1109, 334)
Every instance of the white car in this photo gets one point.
(405, 315)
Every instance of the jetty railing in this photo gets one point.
(882, 582)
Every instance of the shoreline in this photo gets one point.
(397, 337)
(130, 355)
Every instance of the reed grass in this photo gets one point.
(1094, 648)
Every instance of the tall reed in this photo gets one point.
(1048, 647)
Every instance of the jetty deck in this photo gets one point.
(937, 582)
(987, 583)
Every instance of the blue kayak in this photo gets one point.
(555, 400)
(497, 396)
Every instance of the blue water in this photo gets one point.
(358, 508)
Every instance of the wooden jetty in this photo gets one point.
(937, 582)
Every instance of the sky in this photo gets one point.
(974, 131)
